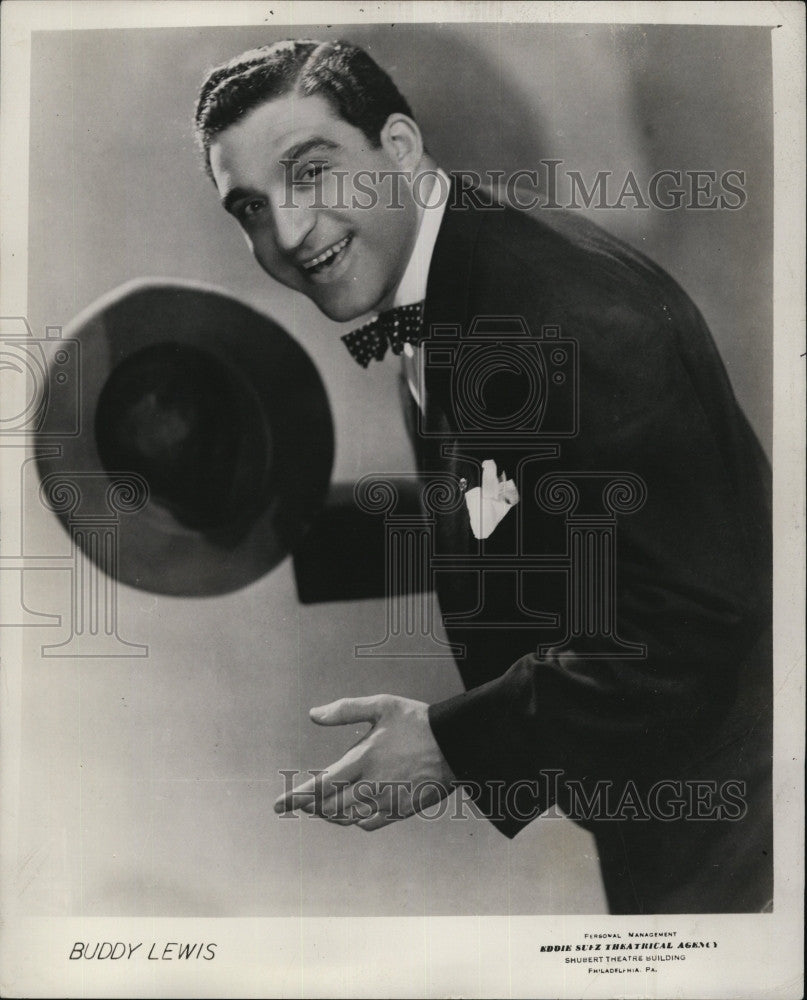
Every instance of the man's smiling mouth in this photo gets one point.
(328, 257)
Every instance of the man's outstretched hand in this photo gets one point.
(394, 771)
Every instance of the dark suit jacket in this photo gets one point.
(693, 575)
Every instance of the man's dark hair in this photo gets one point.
(359, 91)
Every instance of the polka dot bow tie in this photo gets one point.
(394, 327)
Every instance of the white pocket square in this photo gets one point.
(488, 504)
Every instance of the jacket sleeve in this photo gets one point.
(691, 580)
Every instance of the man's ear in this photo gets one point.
(401, 138)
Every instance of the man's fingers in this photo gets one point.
(355, 808)
(349, 804)
(347, 710)
(345, 809)
(312, 792)
(375, 822)
(358, 803)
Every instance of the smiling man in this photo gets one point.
(659, 744)
(268, 166)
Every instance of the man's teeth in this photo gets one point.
(326, 255)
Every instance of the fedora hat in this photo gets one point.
(199, 427)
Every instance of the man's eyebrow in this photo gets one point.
(298, 150)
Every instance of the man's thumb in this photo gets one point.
(346, 710)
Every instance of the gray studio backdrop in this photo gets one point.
(149, 782)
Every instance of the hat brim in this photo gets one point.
(156, 550)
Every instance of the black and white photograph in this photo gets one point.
(402, 446)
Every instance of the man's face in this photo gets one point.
(307, 226)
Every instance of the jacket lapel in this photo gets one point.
(448, 294)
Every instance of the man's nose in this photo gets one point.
(292, 225)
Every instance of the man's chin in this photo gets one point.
(343, 311)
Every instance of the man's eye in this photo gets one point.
(310, 172)
(251, 208)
